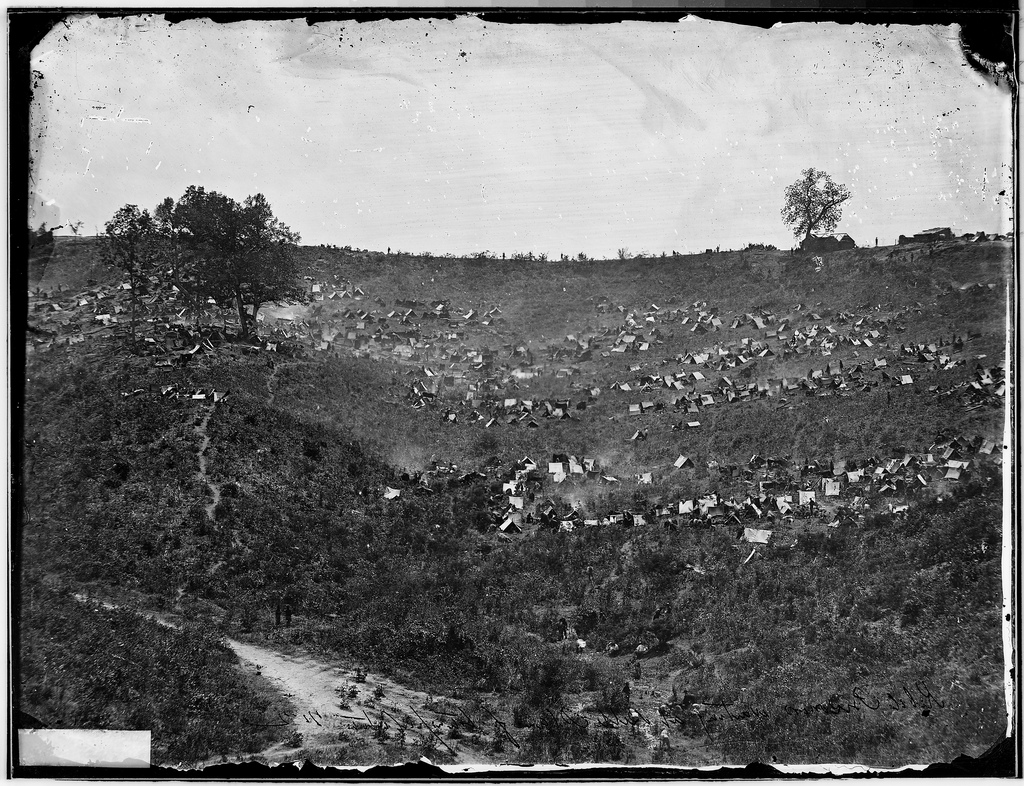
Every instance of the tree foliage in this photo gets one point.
(130, 245)
(211, 247)
(814, 202)
(234, 253)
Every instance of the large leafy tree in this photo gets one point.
(237, 254)
(814, 202)
(267, 269)
(175, 263)
(130, 245)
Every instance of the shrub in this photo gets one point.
(84, 666)
(614, 697)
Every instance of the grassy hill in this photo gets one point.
(867, 629)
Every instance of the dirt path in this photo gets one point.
(201, 430)
(272, 378)
(312, 687)
(338, 705)
(272, 383)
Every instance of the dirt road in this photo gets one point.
(340, 708)
(338, 704)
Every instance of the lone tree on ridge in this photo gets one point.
(814, 202)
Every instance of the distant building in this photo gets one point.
(824, 243)
(928, 236)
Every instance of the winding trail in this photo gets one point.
(201, 430)
(272, 378)
(336, 702)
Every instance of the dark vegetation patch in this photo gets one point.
(85, 666)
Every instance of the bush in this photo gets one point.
(551, 677)
(614, 697)
(608, 746)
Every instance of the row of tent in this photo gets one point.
(832, 479)
(836, 377)
(722, 359)
(578, 349)
(404, 308)
(178, 392)
(169, 330)
(709, 509)
(182, 342)
(781, 488)
(699, 319)
(986, 388)
(405, 345)
(693, 401)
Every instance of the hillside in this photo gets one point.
(764, 493)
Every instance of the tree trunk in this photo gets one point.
(188, 295)
(135, 300)
(242, 323)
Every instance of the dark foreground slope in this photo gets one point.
(867, 629)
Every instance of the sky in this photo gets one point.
(460, 136)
